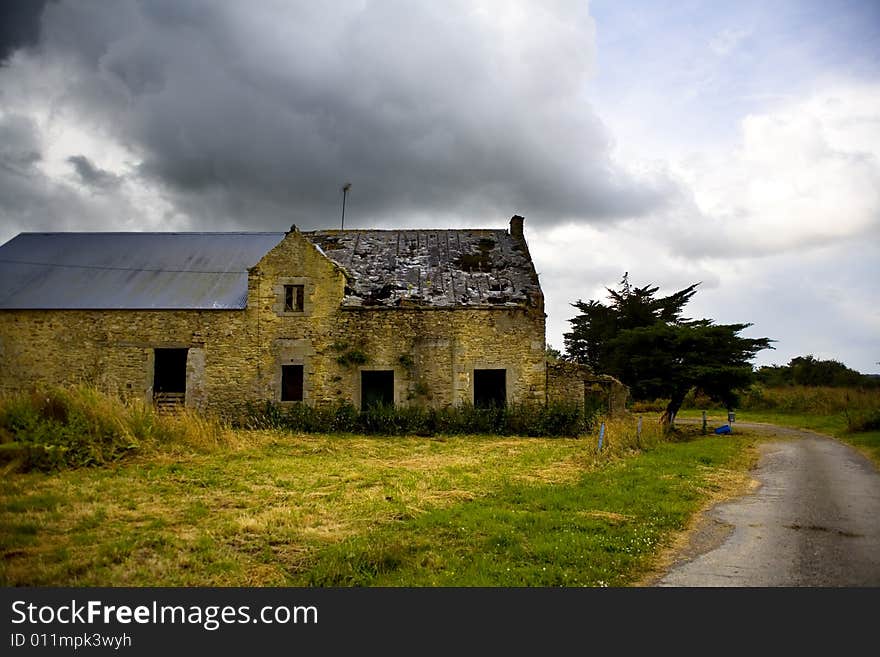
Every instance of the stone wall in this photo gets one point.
(574, 383)
(114, 350)
(565, 382)
(235, 356)
(434, 352)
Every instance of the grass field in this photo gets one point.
(187, 501)
(278, 509)
(833, 424)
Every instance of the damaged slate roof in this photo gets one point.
(110, 271)
(432, 268)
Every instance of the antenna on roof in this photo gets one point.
(345, 189)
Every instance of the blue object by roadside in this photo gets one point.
(724, 429)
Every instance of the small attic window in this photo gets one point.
(294, 296)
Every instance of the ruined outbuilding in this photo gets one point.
(576, 383)
(218, 320)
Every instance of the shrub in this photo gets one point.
(515, 419)
(863, 420)
(649, 406)
(565, 420)
(341, 419)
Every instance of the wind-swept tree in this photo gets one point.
(644, 341)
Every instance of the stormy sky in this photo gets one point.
(734, 145)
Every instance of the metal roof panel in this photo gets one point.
(108, 271)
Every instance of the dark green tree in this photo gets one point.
(644, 341)
(628, 308)
(810, 371)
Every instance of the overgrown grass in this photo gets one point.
(868, 442)
(198, 503)
(605, 529)
(59, 427)
(838, 425)
(273, 508)
(811, 400)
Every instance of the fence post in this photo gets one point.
(704, 423)
(601, 435)
(639, 433)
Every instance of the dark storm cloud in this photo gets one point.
(19, 25)
(19, 151)
(29, 200)
(19, 142)
(91, 175)
(33, 200)
(256, 114)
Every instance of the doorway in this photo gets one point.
(169, 376)
(377, 388)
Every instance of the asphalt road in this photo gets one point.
(813, 521)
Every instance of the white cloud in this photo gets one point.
(804, 174)
(579, 261)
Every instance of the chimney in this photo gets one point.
(516, 227)
(516, 232)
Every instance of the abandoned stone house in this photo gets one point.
(216, 320)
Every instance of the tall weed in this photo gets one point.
(62, 427)
(623, 434)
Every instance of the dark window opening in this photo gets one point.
(595, 400)
(294, 298)
(490, 388)
(291, 383)
(377, 388)
(169, 372)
